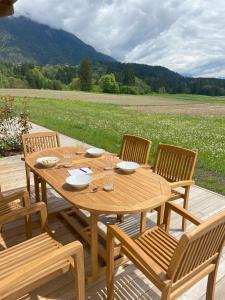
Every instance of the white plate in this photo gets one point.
(79, 181)
(128, 166)
(48, 161)
(95, 152)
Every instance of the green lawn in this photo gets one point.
(103, 125)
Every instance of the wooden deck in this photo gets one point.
(131, 283)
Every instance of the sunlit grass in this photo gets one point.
(103, 125)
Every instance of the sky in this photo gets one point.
(186, 36)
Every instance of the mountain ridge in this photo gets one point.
(26, 41)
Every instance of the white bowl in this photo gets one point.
(48, 161)
(95, 152)
(79, 181)
(128, 166)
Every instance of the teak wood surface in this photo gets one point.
(133, 193)
(32, 263)
(176, 165)
(173, 266)
(34, 142)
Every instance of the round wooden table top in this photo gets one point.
(136, 192)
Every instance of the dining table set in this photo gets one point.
(95, 183)
(110, 203)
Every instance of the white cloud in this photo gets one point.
(184, 35)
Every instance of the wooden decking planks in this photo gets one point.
(130, 284)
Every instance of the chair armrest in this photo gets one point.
(182, 212)
(15, 195)
(156, 271)
(36, 265)
(25, 211)
(182, 183)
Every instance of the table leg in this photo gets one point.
(43, 191)
(36, 188)
(143, 221)
(94, 245)
(160, 216)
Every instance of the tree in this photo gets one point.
(85, 75)
(108, 84)
(129, 77)
(74, 84)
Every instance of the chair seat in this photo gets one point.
(16, 256)
(6, 208)
(158, 245)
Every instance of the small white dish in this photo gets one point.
(95, 152)
(48, 161)
(79, 181)
(128, 166)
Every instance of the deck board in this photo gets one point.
(130, 282)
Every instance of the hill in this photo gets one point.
(25, 41)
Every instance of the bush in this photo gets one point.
(108, 84)
(74, 84)
(126, 89)
(12, 125)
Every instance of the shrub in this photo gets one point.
(12, 125)
(74, 84)
(108, 84)
(126, 89)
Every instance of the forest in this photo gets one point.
(108, 77)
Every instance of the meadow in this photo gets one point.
(103, 125)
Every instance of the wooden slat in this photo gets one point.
(135, 148)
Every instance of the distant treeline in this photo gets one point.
(106, 77)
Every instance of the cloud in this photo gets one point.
(184, 35)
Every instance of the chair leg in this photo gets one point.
(186, 200)
(28, 226)
(166, 294)
(210, 293)
(110, 266)
(79, 275)
(36, 188)
(28, 178)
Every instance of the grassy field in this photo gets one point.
(194, 98)
(103, 125)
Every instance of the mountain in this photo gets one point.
(25, 41)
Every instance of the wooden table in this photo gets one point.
(133, 193)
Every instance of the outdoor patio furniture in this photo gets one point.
(173, 266)
(32, 263)
(33, 142)
(12, 201)
(177, 166)
(135, 148)
(127, 197)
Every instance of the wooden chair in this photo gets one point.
(173, 266)
(30, 264)
(12, 201)
(38, 141)
(135, 148)
(177, 166)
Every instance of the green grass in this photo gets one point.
(103, 125)
(192, 97)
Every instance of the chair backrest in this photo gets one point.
(135, 148)
(39, 141)
(198, 248)
(174, 163)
